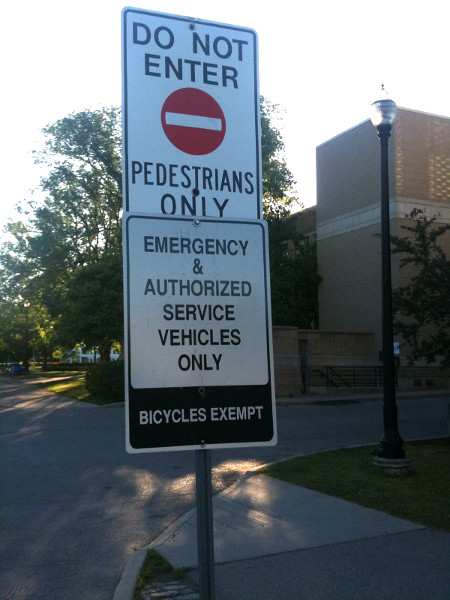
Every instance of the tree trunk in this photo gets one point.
(105, 350)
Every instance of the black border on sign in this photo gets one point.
(126, 175)
(226, 399)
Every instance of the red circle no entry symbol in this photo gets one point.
(193, 121)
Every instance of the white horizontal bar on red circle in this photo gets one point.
(183, 120)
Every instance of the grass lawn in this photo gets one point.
(71, 384)
(423, 496)
(72, 387)
(155, 566)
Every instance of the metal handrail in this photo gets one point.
(352, 376)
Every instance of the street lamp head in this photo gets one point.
(384, 110)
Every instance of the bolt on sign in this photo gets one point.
(191, 119)
(198, 335)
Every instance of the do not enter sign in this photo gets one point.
(193, 121)
(191, 117)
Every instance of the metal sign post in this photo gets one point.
(205, 533)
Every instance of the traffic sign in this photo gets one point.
(198, 334)
(191, 120)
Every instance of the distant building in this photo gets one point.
(88, 355)
(306, 223)
(348, 211)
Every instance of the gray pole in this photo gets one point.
(25, 365)
(205, 533)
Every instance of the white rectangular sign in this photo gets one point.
(198, 309)
(191, 118)
(198, 335)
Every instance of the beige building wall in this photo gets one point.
(350, 268)
(348, 211)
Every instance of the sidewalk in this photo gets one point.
(274, 540)
(277, 541)
(340, 395)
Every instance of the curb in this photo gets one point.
(125, 589)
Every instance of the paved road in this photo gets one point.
(74, 505)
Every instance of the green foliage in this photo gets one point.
(42, 332)
(154, 565)
(78, 217)
(294, 276)
(106, 380)
(277, 179)
(24, 328)
(293, 262)
(422, 306)
(71, 233)
(92, 305)
(12, 331)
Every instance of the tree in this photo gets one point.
(77, 224)
(42, 335)
(277, 179)
(422, 307)
(12, 331)
(294, 276)
(293, 259)
(25, 330)
(93, 306)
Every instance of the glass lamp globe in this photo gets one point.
(383, 110)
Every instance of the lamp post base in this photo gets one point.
(391, 444)
(397, 467)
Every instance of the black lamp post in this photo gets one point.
(390, 454)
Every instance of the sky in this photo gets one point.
(322, 62)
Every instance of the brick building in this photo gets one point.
(348, 211)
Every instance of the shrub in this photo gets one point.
(106, 380)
